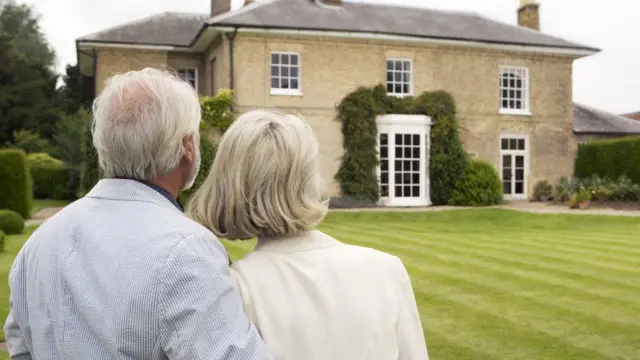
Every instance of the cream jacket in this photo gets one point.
(315, 298)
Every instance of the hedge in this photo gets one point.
(609, 158)
(15, 182)
(3, 236)
(208, 151)
(89, 169)
(11, 222)
(358, 111)
(42, 158)
(481, 186)
(55, 181)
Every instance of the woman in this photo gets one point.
(310, 296)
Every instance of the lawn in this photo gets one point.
(39, 204)
(497, 284)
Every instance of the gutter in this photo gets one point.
(558, 50)
(231, 37)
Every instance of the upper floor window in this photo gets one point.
(514, 90)
(285, 73)
(399, 77)
(189, 75)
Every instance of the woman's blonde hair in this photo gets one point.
(264, 181)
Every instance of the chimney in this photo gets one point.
(220, 7)
(529, 14)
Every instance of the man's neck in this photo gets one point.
(166, 185)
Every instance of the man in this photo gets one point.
(122, 273)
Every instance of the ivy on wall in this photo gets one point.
(217, 111)
(358, 111)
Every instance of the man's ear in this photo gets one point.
(189, 144)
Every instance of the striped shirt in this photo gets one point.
(123, 274)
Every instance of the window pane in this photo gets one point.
(406, 165)
(416, 152)
(275, 71)
(191, 73)
(405, 89)
(519, 83)
(512, 144)
(275, 83)
(505, 104)
(407, 191)
(415, 165)
(415, 178)
(294, 84)
(284, 71)
(521, 144)
(398, 139)
(416, 191)
(284, 84)
(384, 178)
(398, 191)
(384, 152)
(389, 87)
(405, 77)
(384, 166)
(519, 161)
(512, 104)
(505, 144)
(416, 139)
(407, 65)
(275, 59)
(407, 152)
(397, 77)
(398, 154)
(512, 94)
(389, 65)
(519, 188)
(384, 191)
(284, 58)
(407, 139)
(506, 187)
(506, 174)
(518, 94)
(294, 71)
(398, 178)
(397, 165)
(398, 88)
(398, 65)
(512, 83)
(384, 139)
(389, 76)
(294, 59)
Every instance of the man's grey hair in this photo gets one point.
(139, 122)
(264, 181)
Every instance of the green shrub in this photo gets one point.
(565, 188)
(3, 237)
(582, 195)
(357, 176)
(15, 182)
(11, 222)
(543, 191)
(89, 169)
(41, 159)
(625, 190)
(357, 113)
(30, 142)
(207, 153)
(609, 158)
(217, 111)
(481, 186)
(55, 181)
(68, 134)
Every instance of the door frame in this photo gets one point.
(526, 154)
(414, 124)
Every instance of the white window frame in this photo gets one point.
(195, 74)
(527, 163)
(411, 75)
(526, 98)
(405, 124)
(286, 92)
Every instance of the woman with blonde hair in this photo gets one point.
(310, 296)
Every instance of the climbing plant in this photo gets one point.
(357, 113)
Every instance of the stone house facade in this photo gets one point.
(512, 84)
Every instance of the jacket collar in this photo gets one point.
(129, 190)
(310, 240)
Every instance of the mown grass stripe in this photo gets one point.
(448, 346)
(500, 240)
(459, 257)
(614, 272)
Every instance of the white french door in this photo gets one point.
(514, 159)
(403, 171)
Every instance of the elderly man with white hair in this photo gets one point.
(122, 273)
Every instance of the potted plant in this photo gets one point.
(581, 199)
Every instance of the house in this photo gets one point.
(512, 84)
(634, 116)
(590, 124)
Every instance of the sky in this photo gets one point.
(609, 80)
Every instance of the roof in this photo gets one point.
(594, 121)
(386, 19)
(169, 28)
(634, 116)
(180, 29)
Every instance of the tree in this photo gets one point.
(27, 91)
(21, 23)
(69, 135)
(77, 91)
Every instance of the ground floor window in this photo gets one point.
(403, 145)
(514, 158)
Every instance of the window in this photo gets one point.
(285, 73)
(399, 79)
(190, 76)
(514, 90)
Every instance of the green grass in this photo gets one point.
(39, 204)
(497, 284)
